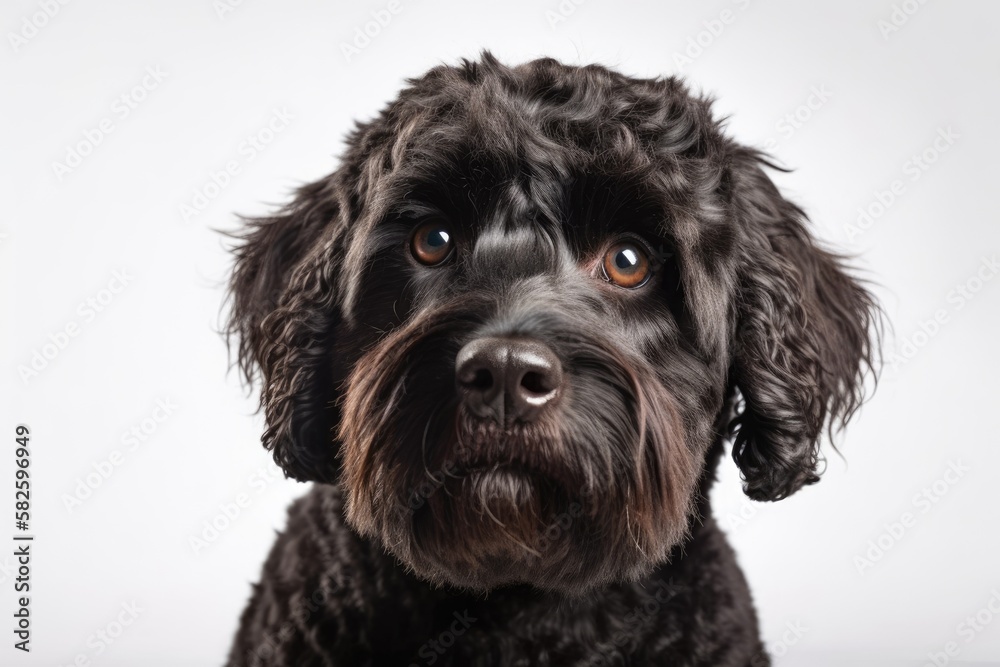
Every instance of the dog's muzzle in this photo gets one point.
(507, 379)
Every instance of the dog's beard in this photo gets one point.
(597, 491)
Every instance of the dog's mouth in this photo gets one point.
(510, 469)
(486, 447)
(459, 476)
(487, 467)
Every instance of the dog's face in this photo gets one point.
(515, 320)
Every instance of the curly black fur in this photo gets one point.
(582, 537)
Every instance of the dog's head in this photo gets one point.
(517, 317)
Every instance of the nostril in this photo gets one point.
(482, 379)
(476, 377)
(535, 383)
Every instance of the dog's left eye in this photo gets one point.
(431, 243)
(626, 264)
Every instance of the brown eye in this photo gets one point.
(626, 265)
(431, 243)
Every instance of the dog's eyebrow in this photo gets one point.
(419, 196)
(408, 207)
(603, 205)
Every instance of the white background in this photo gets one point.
(63, 237)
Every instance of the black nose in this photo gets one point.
(507, 379)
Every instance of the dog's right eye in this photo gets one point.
(626, 265)
(431, 243)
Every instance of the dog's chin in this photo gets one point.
(502, 524)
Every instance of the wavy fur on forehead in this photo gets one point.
(774, 315)
(547, 123)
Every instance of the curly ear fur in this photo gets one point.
(805, 340)
(283, 311)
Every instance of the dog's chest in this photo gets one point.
(521, 627)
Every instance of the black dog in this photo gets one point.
(509, 338)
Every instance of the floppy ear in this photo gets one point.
(804, 342)
(283, 313)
